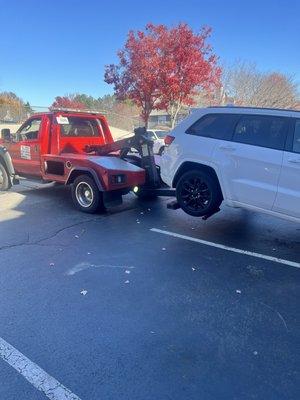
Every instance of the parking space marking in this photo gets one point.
(39, 378)
(228, 248)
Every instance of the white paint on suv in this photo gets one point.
(254, 152)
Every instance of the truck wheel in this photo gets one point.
(198, 193)
(86, 195)
(4, 178)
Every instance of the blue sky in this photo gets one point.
(51, 48)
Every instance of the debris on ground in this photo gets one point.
(238, 291)
(254, 271)
(83, 292)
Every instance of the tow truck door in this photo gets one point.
(25, 148)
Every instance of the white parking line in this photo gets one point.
(42, 381)
(233, 249)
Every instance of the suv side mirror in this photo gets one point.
(5, 134)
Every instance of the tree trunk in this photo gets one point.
(174, 116)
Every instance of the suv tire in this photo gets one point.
(86, 195)
(4, 178)
(198, 193)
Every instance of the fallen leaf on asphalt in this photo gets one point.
(83, 292)
(238, 291)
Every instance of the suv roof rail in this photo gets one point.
(256, 108)
(76, 110)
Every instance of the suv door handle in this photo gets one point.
(294, 160)
(227, 147)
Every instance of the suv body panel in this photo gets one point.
(250, 176)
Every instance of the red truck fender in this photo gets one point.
(77, 171)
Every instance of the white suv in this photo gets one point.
(248, 157)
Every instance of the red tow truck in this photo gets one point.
(77, 148)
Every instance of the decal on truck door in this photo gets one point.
(25, 152)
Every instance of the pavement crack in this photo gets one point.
(53, 235)
(10, 246)
(278, 313)
(27, 242)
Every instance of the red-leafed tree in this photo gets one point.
(136, 77)
(190, 66)
(163, 68)
(68, 102)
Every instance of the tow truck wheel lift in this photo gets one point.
(154, 186)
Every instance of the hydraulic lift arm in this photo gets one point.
(143, 145)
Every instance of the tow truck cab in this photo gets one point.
(53, 146)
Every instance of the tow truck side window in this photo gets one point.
(80, 127)
(29, 131)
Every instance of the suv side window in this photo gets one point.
(30, 131)
(296, 143)
(262, 130)
(215, 126)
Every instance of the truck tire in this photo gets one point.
(198, 193)
(86, 195)
(4, 178)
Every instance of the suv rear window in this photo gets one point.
(262, 130)
(80, 127)
(215, 126)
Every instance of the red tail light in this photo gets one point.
(169, 139)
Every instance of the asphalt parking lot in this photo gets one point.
(116, 306)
